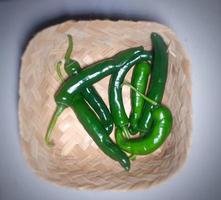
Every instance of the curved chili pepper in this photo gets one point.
(95, 129)
(115, 91)
(161, 124)
(72, 67)
(139, 81)
(157, 81)
(90, 75)
(91, 124)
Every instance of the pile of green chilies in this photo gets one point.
(149, 123)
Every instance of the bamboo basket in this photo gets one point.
(75, 160)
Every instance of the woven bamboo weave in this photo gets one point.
(75, 160)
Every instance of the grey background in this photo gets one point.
(196, 23)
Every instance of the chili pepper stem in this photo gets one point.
(70, 48)
(126, 132)
(132, 157)
(52, 124)
(58, 70)
(135, 90)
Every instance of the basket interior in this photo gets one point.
(76, 161)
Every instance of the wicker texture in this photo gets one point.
(75, 161)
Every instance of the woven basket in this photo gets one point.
(75, 161)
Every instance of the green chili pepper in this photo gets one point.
(95, 129)
(96, 72)
(161, 124)
(88, 76)
(139, 81)
(72, 67)
(97, 132)
(115, 91)
(91, 124)
(157, 81)
(98, 105)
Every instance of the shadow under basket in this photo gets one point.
(75, 160)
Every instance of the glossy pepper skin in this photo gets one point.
(139, 81)
(157, 81)
(95, 129)
(89, 120)
(115, 89)
(96, 102)
(74, 84)
(93, 98)
(90, 94)
(90, 75)
(161, 124)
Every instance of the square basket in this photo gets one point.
(75, 160)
